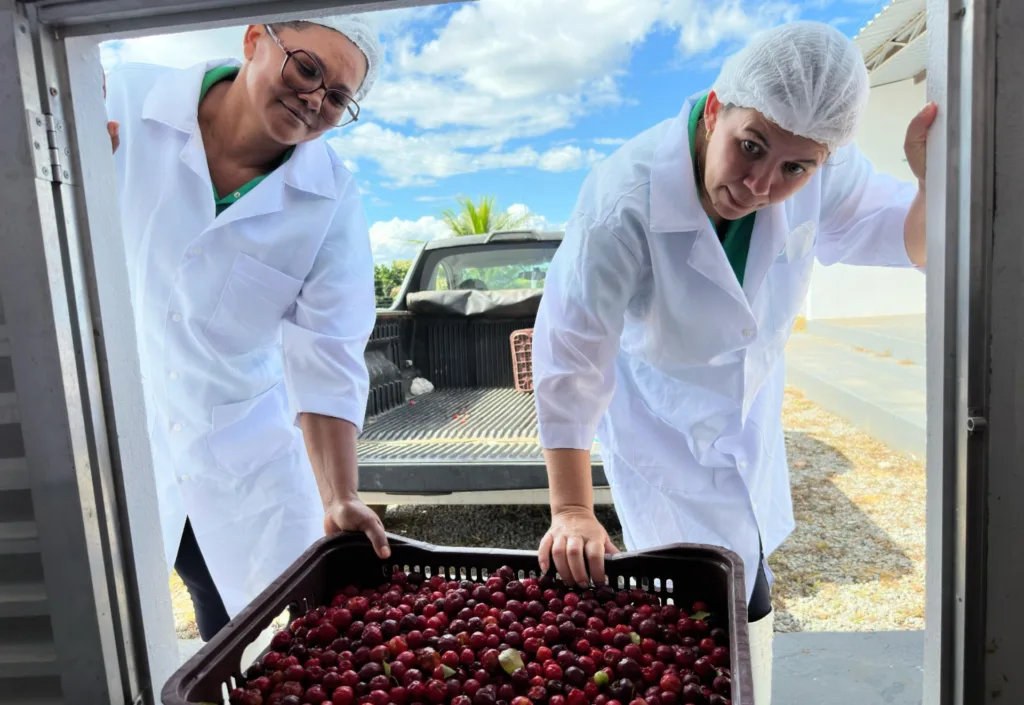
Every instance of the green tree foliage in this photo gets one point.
(479, 219)
(388, 279)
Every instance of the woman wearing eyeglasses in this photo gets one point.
(252, 283)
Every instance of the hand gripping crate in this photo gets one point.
(682, 573)
(522, 359)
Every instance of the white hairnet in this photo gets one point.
(806, 77)
(364, 36)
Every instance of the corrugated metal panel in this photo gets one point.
(456, 424)
(492, 350)
(907, 63)
(447, 353)
(893, 43)
(28, 657)
(460, 425)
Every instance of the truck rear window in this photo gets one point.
(490, 268)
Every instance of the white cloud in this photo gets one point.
(545, 61)
(495, 71)
(610, 141)
(435, 199)
(705, 26)
(398, 239)
(176, 50)
(394, 22)
(187, 48)
(499, 71)
(421, 160)
(535, 47)
(535, 220)
(569, 158)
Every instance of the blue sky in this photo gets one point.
(517, 99)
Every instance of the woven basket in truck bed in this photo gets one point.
(679, 573)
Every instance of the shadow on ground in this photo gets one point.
(496, 526)
(834, 541)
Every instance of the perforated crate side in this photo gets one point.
(522, 359)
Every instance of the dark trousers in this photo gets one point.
(191, 568)
(761, 601)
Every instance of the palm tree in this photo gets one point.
(473, 219)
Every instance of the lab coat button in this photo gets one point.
(747, 332)
(176, 427)
(183, 478)
(176, 317)
(197, 251)
(173, 375)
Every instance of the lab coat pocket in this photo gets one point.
(789, 277)
(799, 242)
(247, 435)
(252, 304)
(664, 456)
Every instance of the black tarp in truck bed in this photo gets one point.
(456, 440)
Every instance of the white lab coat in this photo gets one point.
(645, 337)
(244, 320)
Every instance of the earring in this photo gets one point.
(707, 134)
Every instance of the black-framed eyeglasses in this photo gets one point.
(303, 74)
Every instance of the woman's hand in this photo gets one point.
(916, 142)
(353, 515)
(915, 146)
(113, 128)
(575, 532)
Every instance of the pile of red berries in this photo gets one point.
(428, 641)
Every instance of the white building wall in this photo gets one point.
(844, 291)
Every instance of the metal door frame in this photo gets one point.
(73, 343)
(64, 284)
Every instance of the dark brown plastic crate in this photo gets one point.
(682, 573)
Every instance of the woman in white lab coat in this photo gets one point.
(669, 303)
(252, 283)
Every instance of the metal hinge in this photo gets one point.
(976, 423)
(50, 148)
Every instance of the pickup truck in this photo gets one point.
(474, 435)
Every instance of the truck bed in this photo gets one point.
(456, 440)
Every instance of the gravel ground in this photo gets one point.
(854, 563)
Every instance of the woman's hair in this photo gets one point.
(806, 77)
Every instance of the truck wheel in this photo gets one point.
(379, 510)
